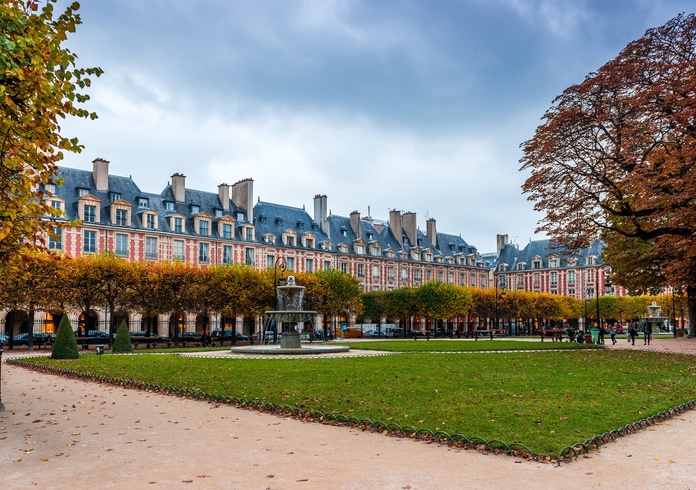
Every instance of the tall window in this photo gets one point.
(178, 250)
(150, 247)
(404, 274)
(361, 270)
(344, 267)
(227, 254)
(249, 234)
(571, 277)
(89, 243)
(462, 279)
(416, 275)
(327, 265)
(249, 256)
(121, 244)
(270, 261)
(150, 221)
(291, 263)
(536, 280)
(54, 243)
(390, 272)
(375, 272)
(90, 213)
(554, 278)
(203, 227)
(178, 225)
(121, 217)
(226, 230)
(309, 265)
(203, 252)
(439, 276)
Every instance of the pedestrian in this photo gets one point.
(612, 333)
(632, 332)
(647, 334)
(543, 334)
(602, 331)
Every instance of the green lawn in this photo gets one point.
(463, 345)
(544, 400)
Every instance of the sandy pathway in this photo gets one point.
(63, 433)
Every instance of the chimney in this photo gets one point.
(411, 228)
(243, 197)
(431, 227)
(396, 225)
(100, 173)
(355, 223)
(224, 195)
(179, 187)
(321, 212)
(501, 241)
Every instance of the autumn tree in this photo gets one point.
(41, 86)
(332, 293)
(615, 157)
(440, 300)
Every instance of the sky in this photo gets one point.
(415, 105)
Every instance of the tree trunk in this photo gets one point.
(691, 299)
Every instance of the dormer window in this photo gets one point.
(536, 264)
(300, 225)
(90, 214)
(344, 232)
(115, 196)
(227, 230)
(204, 227)
(359, 249)
(82, 192)
(218, 213)
(279, 221)
(142, 203)
(195, 209)
(121, 217)
(249, 233)
(262, 219)
(240, 217)
(169, 206)
(50, 188)
(370, 236)
(150, 221)
(290, 241)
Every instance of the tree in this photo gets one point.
(440, 300)
(331, 293)
(41, 86)
(65, 345)
(615, 157)
(122, 344)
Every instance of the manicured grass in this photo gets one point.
(544, 400)
(463, 345)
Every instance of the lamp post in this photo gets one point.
(501, 281)
(503, 292)
(599, 321)
(587, 296)
(2, 407)
(281, 264)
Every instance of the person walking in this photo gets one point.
(632, 332)
(647, 334)
(612, 333)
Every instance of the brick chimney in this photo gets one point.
(224, 195)
(100, 174)
(179, 187)
(355, 223)
(243, 197)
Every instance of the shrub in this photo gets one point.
(65, 345)
(122, 344)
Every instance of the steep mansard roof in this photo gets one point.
(511, 257)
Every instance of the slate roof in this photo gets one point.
(269, 218)
(511, 256)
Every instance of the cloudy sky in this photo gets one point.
(416, 105)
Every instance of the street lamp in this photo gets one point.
(501, 281)
(2, 407)
(587, 296)
(503, 292)
(281, 264)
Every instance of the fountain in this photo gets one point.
(654, 322)
(288, 315)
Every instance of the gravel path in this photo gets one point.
(63, 433)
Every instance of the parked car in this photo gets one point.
(194, 337)
(37, 339)
(143, 337)
(227, 335)
(269, 335)
(92, 337)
